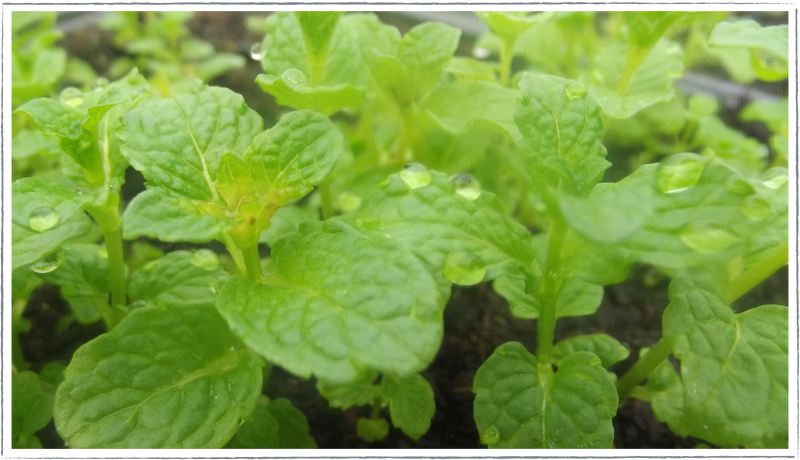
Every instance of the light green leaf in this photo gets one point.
(29, 142)
(287, 220)
(31, 406)
(177, 143)
(167, 376)
(411, 403)
(35, 230)
(338, 302)
(577, 298)
(283, 46)
(645, 28)
(607, 348)
(518, 406)
(511, 24)
(372, 430)
(374, 38)
(562, 133)
(734, 367)
(292, 89)
(746, 154)
(83, 279)
(359, 393)
(442, 219)
(273, 424)
(179, 278)
(425, 51)
(318, 28)
(460, 107)
(769, 46)
(54, 118)
(158, 213)
(218, 65)
(774, 114)
(652, 81)
(468, 70)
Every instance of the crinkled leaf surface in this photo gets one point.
(158, 213)
(167, 376)
(30, 194)
(274, 424)
(338, 302)
(561, 134)
(734, 367)
(607, 348)
(652, 82)
(411, 403)
(291, 90)
(179, 278)
(287, 220)
(83, 279)
(435, 221)
(425, 51)
(519, 406)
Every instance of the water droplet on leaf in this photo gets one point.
(205, 258)
(359, 223)
(43, 219)
(466, 186)
(257, 51)
(739, 186)
(348, 201)
(103, 252)
(679, 172)
(481, 53)
(72, 96)
(464, 269)
(50, 262)
(294, 77)
(100, 83)
(415, 175)
(490, 436)
(575, 90)
(707, 238)
(756, 208)
(776, 182)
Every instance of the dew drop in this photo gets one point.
(50, 262)
(205, 258)
(776, 182)
(72, 96)
(294, 77)
(490, 436)
(103, 252)
(466, 186)
(348, 201)
(481, 53)
(575, 90)
(679, 172)
(464, 269)
(43, 219)
(213, 285)
(359, 223)
(257, 51)
(101, 82)
(500, 351)
(707, 238)
(755, 208)
(415, 175)
(739, 186)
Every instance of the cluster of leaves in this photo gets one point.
(355, 300)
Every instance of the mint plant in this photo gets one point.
(403, 173)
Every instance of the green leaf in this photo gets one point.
(283, 45)
(769, 46)
(287, 220)
(651, 82)
(167, 376)
(338, 302)
(177, 143)
(520, 406)
(359, 393)
(218, 65)
(54, 118)
(444, 218)
(746, 154)
(372, 430)
(273, 424)
(292, 89)
(664, 392)
(511, 24)
(31, 406)
(468, 70)
(83, 279)
(179, 278)
(318, 28)
(607, 348)
(373, 37)
(734, 367)
(157, 213)
(459, 107)
(425, 51)
(411, 403)
(29, 142)
(645, 28)
(37, 232)
(562, 133)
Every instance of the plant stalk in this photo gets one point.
(111, 226)
(377, 405)
(633, 60)
(547, 314)
(643, 368)
(754, 275)
(252, 262)
(327, 200)
(506, 56)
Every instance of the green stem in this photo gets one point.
(506, 56)
(111, 226)
(754, 275)
(547, 314)
(633, 60)
(327, 200)
(377, 405)
(643, 368)
(252, 262)
(14, 348)
(236, 253)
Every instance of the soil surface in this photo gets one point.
(476, 319)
